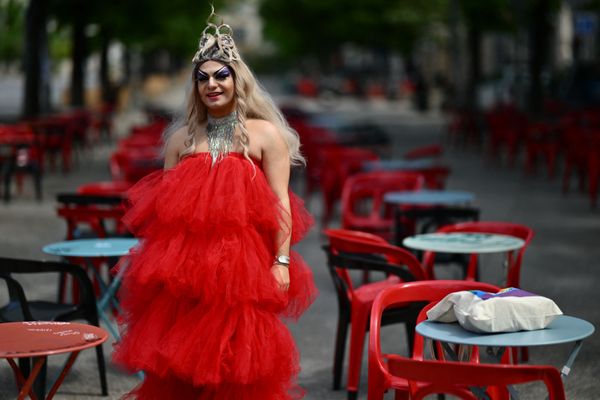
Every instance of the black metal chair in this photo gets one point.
(19, 308)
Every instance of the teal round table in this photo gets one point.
(111, 247)
(429, 197)
(464, 242)
(96, 248)
(564, 329)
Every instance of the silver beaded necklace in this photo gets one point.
(220, 133)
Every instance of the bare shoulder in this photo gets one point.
(176, 140)
(175, 146)
(179, 136)
(264, 133)
(261, 127)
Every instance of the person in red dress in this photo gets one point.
(205, 292)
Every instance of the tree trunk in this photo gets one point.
(474, 43)
(35, 58)
(78, 58)
(104, 78)
(538, 54)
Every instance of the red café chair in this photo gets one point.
(102, 120)
(315, 140)
(19, 154)
(338, 164)
(363, 208)
(429, 151)
(506, 125)
(54, 134)
(435, 177)
(541, 142)
(88, 215)
(131, 165)
(594, 172)
(416, 378)
(353, 250)
(105, 188)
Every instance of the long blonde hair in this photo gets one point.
(252, 102)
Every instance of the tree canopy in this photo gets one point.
(317, 27)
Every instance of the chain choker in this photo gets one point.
(220, 133)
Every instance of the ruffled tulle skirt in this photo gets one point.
(202, 311)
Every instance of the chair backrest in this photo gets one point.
(105, 188)
(84, 306)
(437, 376)
(505, 228)
(428, 151)
(363, 207)
(93, 211)
(353, 250)
(435, 177)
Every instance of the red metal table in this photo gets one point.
(40, 339)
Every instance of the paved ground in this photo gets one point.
(561, 262)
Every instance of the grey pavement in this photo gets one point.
(561, 262)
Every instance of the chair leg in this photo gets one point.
(525, 354)
(340, 349)
(377, 383)
(401, 395)
(37, 176)
(360, 316)
(102, 369)
(7, 174)
(410, 335)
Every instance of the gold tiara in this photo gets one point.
(216, 43)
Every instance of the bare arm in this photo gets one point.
(276, 165)
(174, 147)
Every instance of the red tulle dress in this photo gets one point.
(201, 307)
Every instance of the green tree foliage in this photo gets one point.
(319, 27)
(12, 22)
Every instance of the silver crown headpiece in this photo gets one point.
(216, 43)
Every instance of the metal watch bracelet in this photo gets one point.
(282, 260)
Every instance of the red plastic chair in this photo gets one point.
(363, 208)
(542, 141)
(315, 140)
(89, 216)
(429, 151)
(19, 154)
(352, 250)
(504, 228)
(506, 125)
(338, 164)
(132, 165)
(435, 177)
(416, 378)
(105, 188)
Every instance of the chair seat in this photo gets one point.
(40, 310)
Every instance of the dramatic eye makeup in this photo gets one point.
(220, 75)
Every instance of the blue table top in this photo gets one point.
(564, 329)
(111, 247)
(429, 197)
(464, 242)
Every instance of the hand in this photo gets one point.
(281, 274)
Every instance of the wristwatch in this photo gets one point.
(282, 260)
